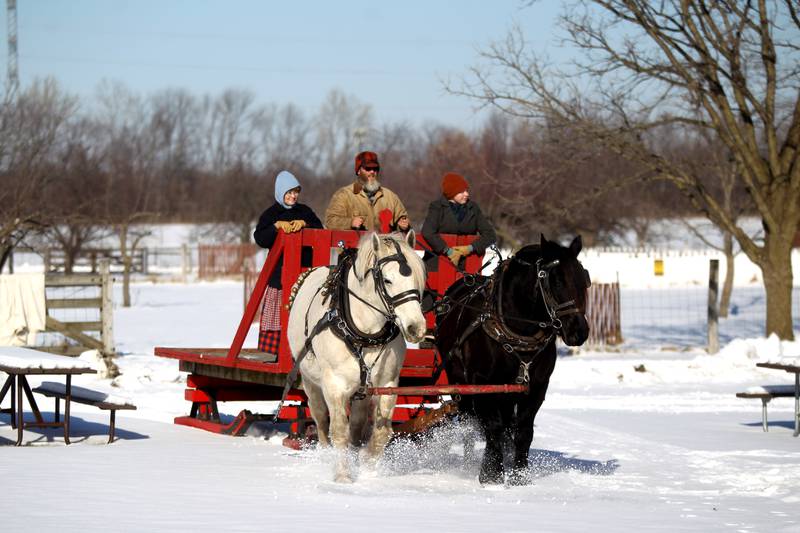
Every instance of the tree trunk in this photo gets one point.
(69, 260)
(777, 271)
(727, 285)
(5, 253)
(245, 233)
(126, 265)
(126, 280)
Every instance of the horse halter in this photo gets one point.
(554, 309)
(392, 302)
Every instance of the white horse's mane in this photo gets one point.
(366, 254)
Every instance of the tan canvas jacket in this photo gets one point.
(351, 201)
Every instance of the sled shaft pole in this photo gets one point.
(448, 389)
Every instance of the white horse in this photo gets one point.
(351, 334)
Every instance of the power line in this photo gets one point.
(315, 70)
(13, 70)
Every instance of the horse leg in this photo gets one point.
(359, 411)
(381, 428)
(319, 412)
(527, 408)
(468, 421)
(522, 438)
(337, 400)
(490, 412)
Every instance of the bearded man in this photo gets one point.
(359, 205)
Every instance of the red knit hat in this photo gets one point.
(367, 159)
(453, 184)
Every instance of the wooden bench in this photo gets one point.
(766, 393)
(82, 395)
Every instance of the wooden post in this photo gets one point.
(713, 306)
(617, 312)
(107, 308)
(186, 261)
(246, 283)
(144, 259)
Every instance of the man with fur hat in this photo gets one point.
(454, 213)
(360, 205)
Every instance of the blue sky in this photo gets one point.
(392, 55)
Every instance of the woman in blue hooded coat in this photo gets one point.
(289, 215)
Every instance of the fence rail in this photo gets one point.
(55, 260)
(69, 299)
(224, 259)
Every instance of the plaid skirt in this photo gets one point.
(271, 311)
(269, 330)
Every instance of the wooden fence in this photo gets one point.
(90, 259)
(77, 335)
(603, 314)
(216, 260)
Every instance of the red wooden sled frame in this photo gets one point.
(233, 374)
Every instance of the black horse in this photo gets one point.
(502, 329)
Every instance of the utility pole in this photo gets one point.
(13, 73)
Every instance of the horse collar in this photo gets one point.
(494, 325)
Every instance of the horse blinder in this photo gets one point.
(404, 268)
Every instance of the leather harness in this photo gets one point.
(339, 319)
(490, 318)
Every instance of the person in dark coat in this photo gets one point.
(454, 213)
(288, 215)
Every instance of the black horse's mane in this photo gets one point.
(529, 251)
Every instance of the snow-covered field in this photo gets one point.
(665, 447)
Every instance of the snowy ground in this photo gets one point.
(616, 449)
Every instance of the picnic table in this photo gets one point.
(794, 368)
(19, 363)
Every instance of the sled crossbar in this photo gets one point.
(435, 390)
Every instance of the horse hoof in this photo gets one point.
(490, 478)
(519, 478)
(343, 478)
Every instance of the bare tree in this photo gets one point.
(30, 129)
(344, 127)
(73, 197)
(719, 172)
(728, 68)
(176, 123)
(130, 149)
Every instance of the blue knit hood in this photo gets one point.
(284, 182)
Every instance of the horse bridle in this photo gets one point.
(554, 309)
(389, 301)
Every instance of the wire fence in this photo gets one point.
(678, 317)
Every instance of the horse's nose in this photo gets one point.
(414, 333)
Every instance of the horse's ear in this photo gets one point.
(576, 245)
(542, 240)
(365, 254)
(411, 238)
(376, 243)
